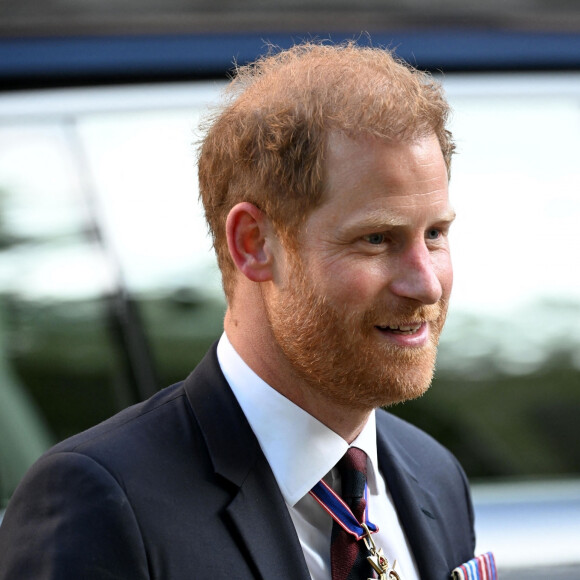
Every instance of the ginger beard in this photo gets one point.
(340, 353)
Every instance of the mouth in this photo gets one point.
(403, 329)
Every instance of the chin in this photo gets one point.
(400, 393)
(394, 392)
(368, 386)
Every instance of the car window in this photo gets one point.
(109, 289)
(108, 286)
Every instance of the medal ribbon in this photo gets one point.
(480, 568)
(340, 512)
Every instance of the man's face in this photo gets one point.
(360, 306)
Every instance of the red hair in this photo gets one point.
(266, 144)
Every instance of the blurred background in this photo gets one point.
(109, 289)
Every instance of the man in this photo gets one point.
(324, 180)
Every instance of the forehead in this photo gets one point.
(369, 173)
(395, 160)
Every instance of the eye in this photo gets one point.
(375, 239)
(433, 234)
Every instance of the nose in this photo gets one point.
(417, 274)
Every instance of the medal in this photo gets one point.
(378, 560)
(343, 516)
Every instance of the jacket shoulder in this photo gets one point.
(129, 422)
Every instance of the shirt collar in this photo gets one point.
(299, 448)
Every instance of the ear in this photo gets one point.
(249, 234)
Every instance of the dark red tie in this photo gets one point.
(347, 556)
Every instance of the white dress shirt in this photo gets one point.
(301, 451)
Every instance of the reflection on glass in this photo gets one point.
(146, 186)
(57, 353)
(100, 200)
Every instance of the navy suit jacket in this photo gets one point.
(177, 488)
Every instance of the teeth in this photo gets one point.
(407, 328)
(414, 328)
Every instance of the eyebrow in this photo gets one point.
(448, 217)
(381, 221)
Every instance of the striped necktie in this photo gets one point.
(349, 557)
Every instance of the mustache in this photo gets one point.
(405, 314)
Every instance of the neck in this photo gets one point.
(346, 422)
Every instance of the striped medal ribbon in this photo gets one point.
(333, 504)
(480, 568)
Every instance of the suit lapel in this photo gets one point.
(265, 525)
(257, 510)
(417, 508)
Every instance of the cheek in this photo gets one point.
(356, 284)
